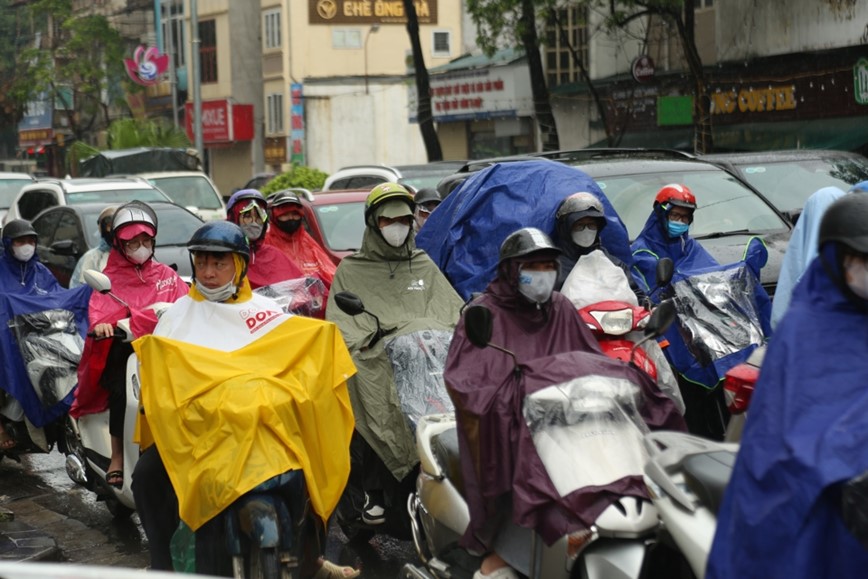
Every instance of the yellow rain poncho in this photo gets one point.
(235, 394)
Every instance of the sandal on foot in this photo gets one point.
(331, 571)
(6, 442)
(115, 478)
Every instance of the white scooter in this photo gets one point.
(686, 476)
(88, 442)
(618, 544)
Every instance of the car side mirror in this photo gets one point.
(349, 303)
(478, 325)
(65, 247)
(665, 271)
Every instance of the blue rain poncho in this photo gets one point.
(806, 433)
(463, 235)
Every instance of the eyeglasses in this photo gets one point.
(134, 244)
(590, 226)
(680, 217)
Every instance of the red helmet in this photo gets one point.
(676, 194)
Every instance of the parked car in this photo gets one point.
(46, 193)
(191, 189)
(730, 212)
(258, 181)
(788, 178)
(65, 233)
(10, 186)
(336, 220)
(368, 176)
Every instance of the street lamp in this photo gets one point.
(371, 30)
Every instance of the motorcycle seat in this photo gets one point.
(707, 475)
(445, 449)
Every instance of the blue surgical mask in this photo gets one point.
(676, 228)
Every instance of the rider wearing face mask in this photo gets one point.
(399, 284)
(220, 315)
(97, 257)
(286, 214)
(530, 320)
(807, 429)
(268, 265)
(580, 220)
(665, 234)
(138, 281)
(22, 272)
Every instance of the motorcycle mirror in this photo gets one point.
(660, 320)
(349, 303)
(98, 281)
(665, 271)
(477, 323)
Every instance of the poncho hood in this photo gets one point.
(304, 251)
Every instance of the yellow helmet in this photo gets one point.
(383, 193)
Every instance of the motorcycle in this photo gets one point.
(417, 354)
(49, 345)
(586, 433)
(686, 476)
(738, 386)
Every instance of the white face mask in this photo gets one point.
(395, 234)
(857, 278)
(584, 238)
(252, 230)
(220, 294)
(24, 252)
(537, 286)
(140, 255)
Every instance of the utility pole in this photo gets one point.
(170, 49)
(196, 79)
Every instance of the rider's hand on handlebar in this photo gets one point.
(103, 330)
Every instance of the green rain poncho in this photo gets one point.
(404, 288)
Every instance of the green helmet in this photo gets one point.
(383, 193)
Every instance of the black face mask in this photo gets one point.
(107, 236)
(288, 226)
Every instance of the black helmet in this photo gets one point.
(525, 241)
(579, 205)
(220, 237)
(284, 198)
(427, 195)
(846, 222)
(17, 228)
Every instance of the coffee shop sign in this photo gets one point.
(753, 100)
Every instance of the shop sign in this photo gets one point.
(754, 100)
(223, 121)
(355, 12)
(860, 81)
(147, 65)
(275, 150)
(643, 69)
(35, 137)
(500, 92)
(296, 120)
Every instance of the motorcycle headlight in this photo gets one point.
(615, 323)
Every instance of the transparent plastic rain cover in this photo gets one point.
(717, 313)
(51, 349)
(417, 363)
(587, 432)
(305, 296)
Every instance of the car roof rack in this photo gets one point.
(591, 154)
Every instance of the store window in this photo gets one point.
(274, 106)
(208, 51)
(441, 44)
(566, 34)
(272, 29)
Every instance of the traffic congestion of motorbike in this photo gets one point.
(518, 388)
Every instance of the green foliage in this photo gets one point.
(301, 176)
(498, 22)
(130, 133)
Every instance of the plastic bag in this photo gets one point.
(595, 279)
(305, 296)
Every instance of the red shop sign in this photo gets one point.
(222, 121)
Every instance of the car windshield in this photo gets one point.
(725, 205)
(788, 184)
(420, 177)
(9, 188)
(176, 225)
(115, 196)
(342, 224)
(189, 191)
